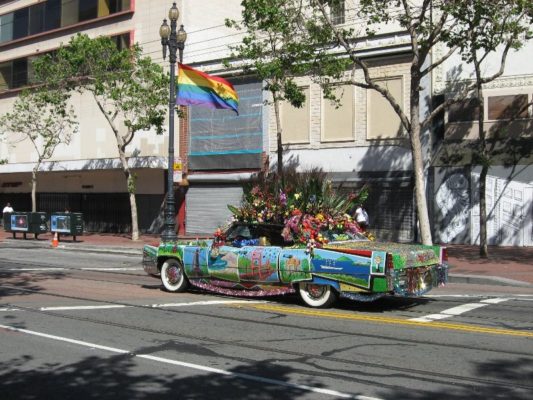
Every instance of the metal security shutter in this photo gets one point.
(207, 207)
(390, 206)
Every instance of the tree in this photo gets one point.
(43, 118)
(130, 90)
(273, 51)
(484, 28)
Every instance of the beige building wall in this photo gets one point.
(95, 140)
(327, 125)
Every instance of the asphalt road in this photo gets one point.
(94, 326)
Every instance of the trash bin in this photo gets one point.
(25, 222)
(67, 224)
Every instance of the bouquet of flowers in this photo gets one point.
(307, 205)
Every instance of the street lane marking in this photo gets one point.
(454, 311)
(255, 378)
(111, 269)
(495, 301)
(82, 308)
(206, 303)
(9, 309)
(195, 303)
(81, 269)
(37, 269)
(393, 320)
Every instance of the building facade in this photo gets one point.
(508, 125)
(359, 143)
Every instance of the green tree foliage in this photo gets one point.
(130, 90)
(45, 120)
(426, 24)
(482, 29)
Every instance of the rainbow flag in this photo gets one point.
(197, 88)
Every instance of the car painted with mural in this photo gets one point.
(254, 260)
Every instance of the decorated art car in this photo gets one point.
(255, 260)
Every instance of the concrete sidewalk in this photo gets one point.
(511, 266)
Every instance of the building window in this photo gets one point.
(507, 107)
(338, 121)
(295, 121)
(466, 110)
(18, 73)
(337, 12)
(383, 122)
(222, 140)
(53, 14)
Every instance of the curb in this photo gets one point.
(486, 280)
(78, 247)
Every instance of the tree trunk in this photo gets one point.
(131, 190)
(279, 142)
(34, 188)
(483, 249)
(418, 166)
(134, 217)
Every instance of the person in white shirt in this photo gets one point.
(7, 209)
(361, 217)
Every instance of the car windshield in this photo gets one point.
(345, 236)
(240, 234)
(242, 231)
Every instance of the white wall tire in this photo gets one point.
(173, 277)
(317, 296)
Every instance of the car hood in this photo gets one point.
(404, 255)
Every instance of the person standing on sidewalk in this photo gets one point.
(361, 217)
(7, 209)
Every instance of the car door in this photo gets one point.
(259, 264)
(195, 261)
(223, 263)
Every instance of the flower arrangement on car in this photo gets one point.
(307, 204)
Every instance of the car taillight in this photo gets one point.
(389, 272)
(389, 265)
(443, 255)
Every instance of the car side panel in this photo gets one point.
(195, 261)
(294, 265)
(224, 263)
(259, 263)
(345, 268)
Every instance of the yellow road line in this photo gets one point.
(391, 320)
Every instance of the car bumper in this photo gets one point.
(417, 281)
(150, 260)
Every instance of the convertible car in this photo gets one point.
(254, 260)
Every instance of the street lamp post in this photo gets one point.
(174, 41)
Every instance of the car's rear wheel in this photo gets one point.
(173, 277)
(319, 296)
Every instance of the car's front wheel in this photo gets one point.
(173, 277)
(319, 296)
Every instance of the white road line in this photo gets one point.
(36, 269)
(184, 364)
(82, 269)
(495, 301)
(463, 308)
(111, 269)
(9, 309)
(206, 303)
(82, 307)
(454, 311)
(109, 306)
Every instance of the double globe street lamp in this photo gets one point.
(174, 41)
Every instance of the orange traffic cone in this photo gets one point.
(55, 240)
